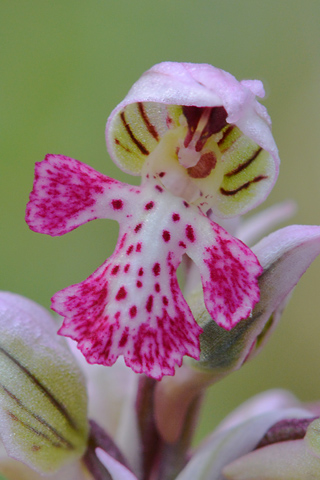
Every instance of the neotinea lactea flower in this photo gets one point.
(200, 140)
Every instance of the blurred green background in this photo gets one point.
(65, 66)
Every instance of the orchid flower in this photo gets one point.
(199, 140)
(284, 256)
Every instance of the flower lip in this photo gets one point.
(132, 305)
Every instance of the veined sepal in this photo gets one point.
(223, 155)
(43, 402)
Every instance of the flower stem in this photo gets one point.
(174, 456)
(150, 439)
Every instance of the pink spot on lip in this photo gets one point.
(122, 293)
(186, 204)
(190, 233)
(124, 338)
(133, 311)
(115, 270)
(117, 204)
(126, 268)
(140, 272)
(182, 244)
(138, 227)
(139, 284)
(175, 217)
(165, 301)
(157, 287)
(162, 174)
(166, 235)
(130, 249)
(156, 269)
(159, 188)
(138, 247)
(149, 206)
(122, 241)
(149, 304)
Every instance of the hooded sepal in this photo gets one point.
(222, 147)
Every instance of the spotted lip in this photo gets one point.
(132, 305)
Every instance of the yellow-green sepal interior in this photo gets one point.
(137, 129)
(249, 173)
